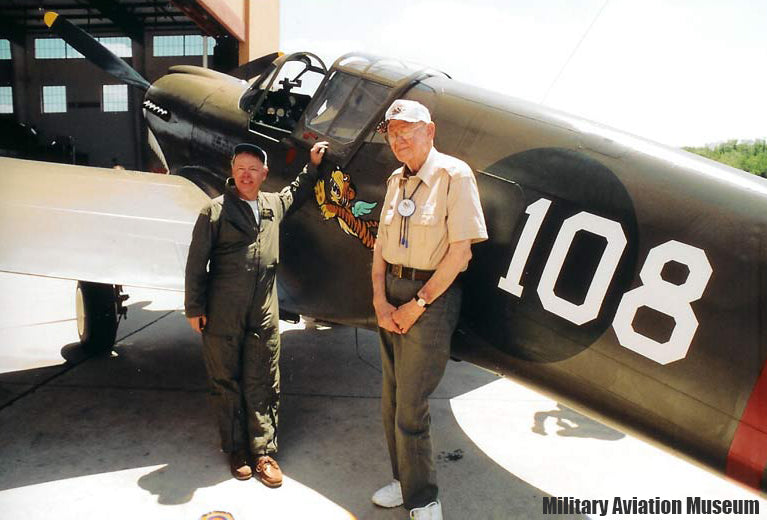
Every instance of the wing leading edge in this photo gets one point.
(96, 224)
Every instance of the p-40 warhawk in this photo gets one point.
(622, 277)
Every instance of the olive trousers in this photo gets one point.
(244, 386)
(413, 365)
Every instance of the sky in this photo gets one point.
(679, 72)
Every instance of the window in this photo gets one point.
(115, 98)
(192, 45)
(338, 89)
(5, 49)
(50, 48)
(54, 99)
(120, 46)
(346, 105)
(6, 100)
(168, 45)
(72, 53)
(181, 45)
(54, 48)
(290, 89)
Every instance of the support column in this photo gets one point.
(20, 79)
(140, 142)
(262, 29)
(254, 23)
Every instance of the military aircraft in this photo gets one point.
(622, 277)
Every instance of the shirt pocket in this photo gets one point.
(428, 215)
(425, 233)
(388, 217)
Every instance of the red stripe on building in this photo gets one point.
(747, 458)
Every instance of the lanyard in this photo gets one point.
(406, 208)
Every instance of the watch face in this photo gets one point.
(421, 302)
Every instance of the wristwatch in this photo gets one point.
(422, 303)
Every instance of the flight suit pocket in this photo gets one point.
(268, 274)
(226, 306)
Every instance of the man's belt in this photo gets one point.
(408, 273)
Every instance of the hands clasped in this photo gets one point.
(398, 319)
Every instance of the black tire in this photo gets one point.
(96, 317)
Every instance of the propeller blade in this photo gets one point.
(99, 55)
(255, 67)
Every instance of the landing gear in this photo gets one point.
(99, 309)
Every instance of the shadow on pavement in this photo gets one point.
(145, 406)
(573, 424)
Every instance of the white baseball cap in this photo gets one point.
(408, 110)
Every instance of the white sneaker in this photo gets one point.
(432, 511)
(389, 496)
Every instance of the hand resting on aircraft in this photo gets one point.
(318, 152)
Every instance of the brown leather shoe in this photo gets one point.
(238, 464)
(268, 471)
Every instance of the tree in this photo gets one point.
(750, 156)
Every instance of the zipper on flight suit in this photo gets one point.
(256, 260)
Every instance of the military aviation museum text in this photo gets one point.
(651, 506)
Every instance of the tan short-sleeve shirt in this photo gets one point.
(447, 209)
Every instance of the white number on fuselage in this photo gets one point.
(655, 293)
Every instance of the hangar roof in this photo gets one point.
(128, 17)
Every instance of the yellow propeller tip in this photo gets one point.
(50, 17)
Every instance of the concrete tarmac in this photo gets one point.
(131, 435)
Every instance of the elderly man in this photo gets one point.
(231, 298)
(430, 217)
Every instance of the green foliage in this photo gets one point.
(749, 156)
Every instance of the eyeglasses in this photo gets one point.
(405, 134)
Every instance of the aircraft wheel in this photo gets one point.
(97, 313)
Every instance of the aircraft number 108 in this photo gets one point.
(655, 292)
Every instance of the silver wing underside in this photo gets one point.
(96, 224)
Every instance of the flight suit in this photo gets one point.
(230, 278)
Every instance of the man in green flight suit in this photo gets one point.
(231, 298)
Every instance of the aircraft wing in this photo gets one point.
(96, 224)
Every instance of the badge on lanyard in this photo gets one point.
(406, 207)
